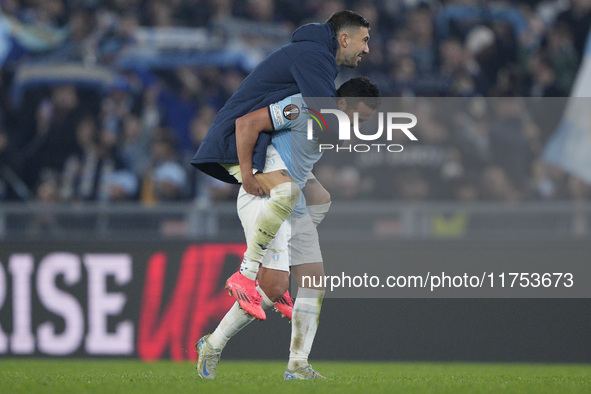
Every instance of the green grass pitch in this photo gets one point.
(117, 376)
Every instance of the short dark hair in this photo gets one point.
(362, 88)
(345, 19)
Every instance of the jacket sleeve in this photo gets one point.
(314, 73)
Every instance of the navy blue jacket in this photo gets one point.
(307, 65)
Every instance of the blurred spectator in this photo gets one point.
(12, 186)
(562, 56)
(577, 19)
(117, 36)
(121, 186)
(404, 77)
(459, 67)
(55, 131)
(482, 46)
(548, 182)
(160, 13)
(46, 195)
(464, 189)
(86, 172)
(51, 12)
(509, 142)
(116, 106)
(178, 103)
(202, 186)
(580, 192)
(135, 145)
(495, 185)
(167, 66)
(165, 179)
(257, 10)
(422, 39)
(544, 79)
(411, 185)
(169, 181)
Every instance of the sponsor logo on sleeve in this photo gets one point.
(291, 112)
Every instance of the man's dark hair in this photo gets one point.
(362, 88)
(346, 19)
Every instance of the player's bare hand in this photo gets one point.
(251, 185)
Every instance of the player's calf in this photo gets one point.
(275, 284)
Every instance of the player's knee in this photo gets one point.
(316, 282)
(286, 195)
(309, 276)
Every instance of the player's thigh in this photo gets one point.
(314, 192)
(249, 207)
(309, 275)
(269, 180)
(274, 173)
(305, 255)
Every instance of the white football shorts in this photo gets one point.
(274, 162)
(296, 241)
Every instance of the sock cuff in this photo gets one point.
(318, 212)
(250, 263)
(266, 303)
(309, 296)
(320, 208)
(249, 268)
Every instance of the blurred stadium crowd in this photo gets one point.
(107, 100)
